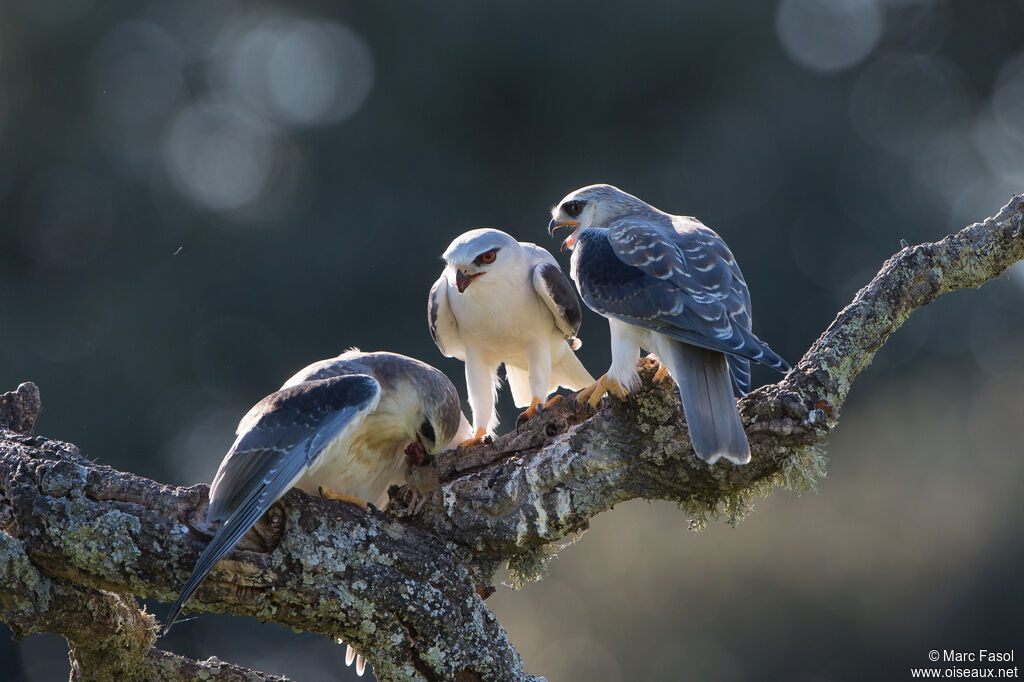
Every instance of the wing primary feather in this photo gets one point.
(278, 438)
(739, 369)
(444, 328)
(432, 308)
(658, 292)
(238, 524)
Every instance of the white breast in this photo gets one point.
(502, 317)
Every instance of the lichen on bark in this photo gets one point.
(406, 586)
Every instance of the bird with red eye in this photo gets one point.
(502, 301)
(486, 258)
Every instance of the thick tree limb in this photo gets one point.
(110, 637)
(402, 587)
(391, 590)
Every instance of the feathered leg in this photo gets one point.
(480, 382)
(538, 355)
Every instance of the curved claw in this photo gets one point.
(535, 408)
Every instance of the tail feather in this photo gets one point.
(706, 391)
(519, 382)
(569, 372)
(566, 371)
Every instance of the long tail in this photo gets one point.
(568, 371)
(706, 391)
(237, 525)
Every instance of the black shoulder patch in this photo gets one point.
(432, 307)
(562, 293)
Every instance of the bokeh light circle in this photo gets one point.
(219, 156)
(829, 35)
(294, 71)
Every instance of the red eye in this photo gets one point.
(488, 256)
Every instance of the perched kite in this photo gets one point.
(668, 284)
(350, 425)
(503, 301)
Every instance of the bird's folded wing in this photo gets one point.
(634, 273)
(696, 260)
(278, 438)
(444, 328)
(555, 289)
(288, 429)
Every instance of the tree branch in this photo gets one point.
(403, 587)
(110, 637)
(537, 486)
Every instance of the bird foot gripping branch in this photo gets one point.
(342, 497)
(593, 393)
(480, 437)
(670, 285)
(537, 406)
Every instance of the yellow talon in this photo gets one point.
(593, 393)
(554, 399)
(535, 408)
(342, 497)
(616, 389)
(660, 375)
(479, 438)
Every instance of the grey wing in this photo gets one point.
(557, 292)
(680, 285)
(444, 328)
(714, 268)
(278, 439)
(696, 260)
(738, 307)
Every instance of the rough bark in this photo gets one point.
(404, 587)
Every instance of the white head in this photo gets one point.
(478, 253)
(591, 206)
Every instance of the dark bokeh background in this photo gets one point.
(197, 199)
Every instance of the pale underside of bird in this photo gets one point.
(352, 424)
(670, 285)
(498, 301)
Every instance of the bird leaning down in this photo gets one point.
(350, 425)
(498, 301)
(670, 285)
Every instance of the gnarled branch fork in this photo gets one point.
(404, 588)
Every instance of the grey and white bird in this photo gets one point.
(351, 424)
(498, 301)
(670, 285)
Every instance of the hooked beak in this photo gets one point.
(554, 225)
(462, 280)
